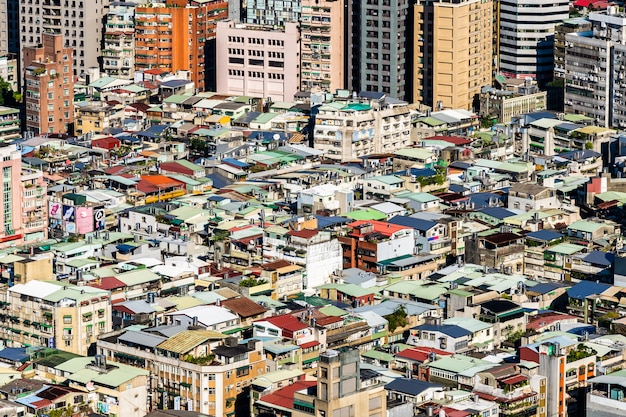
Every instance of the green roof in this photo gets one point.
(357, 107)
(387, 179)
(457, 363)
(177, 98)
(565, 248)
(352, 290)
(546, 123)
(576, 118)
(8, 110)
(115, 377)
(585, 226)
(416, 153)
(431, 121)
(378, 355)
(331, 310)
(264, 118)
(366, 214)
(137, 276)
(189, 165)
(418, 289)
(102, 82)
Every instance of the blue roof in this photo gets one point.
(235, 163)
(582, 329)
(600, 258)
(371, 95)
(264, 135)
(580, 155)
(417, 224)
(153, 131)
(545, 235)
(481, 200)
(219, 181)
(584, 289)
(123, 248)
(14, 354)
(497, 212)
(544, 288)
(451, 330)
(323, 221)
(411, 387)
(174, 83)
(457, 188)
(418, 172)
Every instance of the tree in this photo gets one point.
(397, 319)
(8, 97)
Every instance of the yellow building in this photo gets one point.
(54, 314)
(37, 267)
(96, 118)
(453, 52)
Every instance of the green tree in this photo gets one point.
(588, 145)
(8, 97)
(397, 318)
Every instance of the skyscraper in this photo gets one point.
(452, 52)
(173, 35)
(527, 37)
(118, 55)
(48, 83)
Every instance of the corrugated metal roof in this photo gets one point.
(186, 340)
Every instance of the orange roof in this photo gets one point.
(384, 228)
(161, 181)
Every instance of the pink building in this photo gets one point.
(258, 61)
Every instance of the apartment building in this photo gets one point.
(452, 52)
(118, 55)
(574, 25)
(49, 92)
(9, 70)
(11, 213)
(54, 314)
(382, 60)
(78, 21)
(34, 205)
(172, 35)
(344, 131)
(595, 64)
(257, 60)
(206, 370)
(527, 37)
(4, 27)
(10, 123)
(325, 46)
(272, 12)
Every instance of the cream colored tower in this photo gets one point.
(453, 52)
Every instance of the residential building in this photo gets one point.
(79, 22)
(574, 25)
(285, 278)
(12, 210)
(55, 314)
(594, 80)
(9, 69)
(382, 63)
(448, 337)
(258, 61)
(526, 41)
(530, 197)
(118, 54)
(172, 36)
(271, 12)
(342, 388)
(344, 131)
(187, 362)
(606, 395)
(4, 27)
(325, 48)
(10, 123)
(49, 90)
(504, 105)
(97, 118)
(452, 52)
(34, 205)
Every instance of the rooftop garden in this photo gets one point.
(580, 352)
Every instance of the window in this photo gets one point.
(67, 319)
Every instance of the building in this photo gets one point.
(344, 131)
(574, 25)
(325, 48)
(78, 21)
(383, 47)
(526, 30)
(272, 12)
(504, 105)
(9, 70)
(179, 41)
(10, 123)
(531, 197)
(186, 363)
(342, 388)
(594, 70)
(49, 92)
(606, 395)
(11, 214)
(97, 118)
(452, 52)
(118, 55)
(55, 314)
(258, 61)
(34, 209)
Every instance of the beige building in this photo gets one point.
(453, 52)
(341, 391)
(54, 314)
(322, 35)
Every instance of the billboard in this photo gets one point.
(69, 213)
(99, 219)
(84, 220)
(55, 210)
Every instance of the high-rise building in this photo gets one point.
(11, 209)
(452, 52)
(272, 12)
(172, 35)
(526, 30)
(49, 92)
(258, 60)
(574, 25)
(595, 70)
(382, 43)
(118, 55)
(79, 21)
(326, 46)
(13, 26)
(4, 27)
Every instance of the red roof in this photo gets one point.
(384, 228)
(543, 320)
(305, 234)
(154, 71)
(178, 168)
(115, 170)
(325, 321)
(582, 3)
(309, 344)
(108, 283)
(284, 397)
(420, 354)
(41, 403)
(453, 412)
(161, 181)
(106, 143)
(139, 107)
(287, 322)
(455, 140)
(512, 380)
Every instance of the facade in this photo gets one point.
(10, 123)
(452, 52)
(118, 55)
(383, 45)
(346, 131)
(259, 61)
(325, 46)
(172, 36)
(527, 37)
(78, 21)
(594, 74)
(272, 12)
(49, 92)
(54, 314)
(11, 213)
(34, 205)
(575, 25)
(9, 71)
